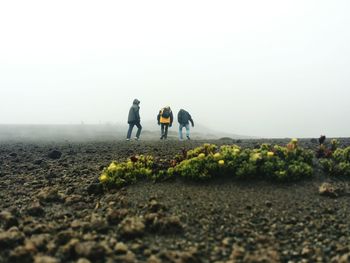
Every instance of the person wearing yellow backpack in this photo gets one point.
(165, 120)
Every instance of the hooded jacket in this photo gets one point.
(134, 115)
(183, 117)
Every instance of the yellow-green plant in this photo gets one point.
(199, 167)
(281, 163)
(207, 161)
(338, 163)
(286, 163)
(122, 173)
(206, 149)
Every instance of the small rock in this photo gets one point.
(38, 241)
(64, 236)
(11, 238)
(73, 199)
(344, 258)
(90, 151)
(83, 260)
(153, 259)
(54, 154)
(263, 255)
(116, 216)
(35, 209)
(121, 248)
(7, 220)
(238, 252)
(94, 189)
(38, 228)
(306, 251)
(45, 259)
(98, 223)
(129, 257)
(328, 189)
(76, 224)
(268, 203)
(137, 247)
(38, 161)
(132, 227)
(90, 250)
(163, 224)
(226, 241)
(30, 247)
(191, 255)
(68, 250)
(171, 225)
(49, 195)
(69, 190)
(154, 206)
(147, 252)
(20, 254)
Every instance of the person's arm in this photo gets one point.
(137, 114)
(179, 119)
(192, 122)
(158, 118)
(171, 118)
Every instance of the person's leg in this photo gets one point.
(162, 130)
(131, 126)
(166, 130)
(187, 131)
(139, 129)
(180, 132)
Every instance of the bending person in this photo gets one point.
(184, 119)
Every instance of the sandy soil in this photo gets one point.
(52, 209)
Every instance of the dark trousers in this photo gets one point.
(164, 130)
(131, 126)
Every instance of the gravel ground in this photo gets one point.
(52, 209)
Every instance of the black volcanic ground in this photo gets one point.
(53, 210)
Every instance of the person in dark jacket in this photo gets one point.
(184, 119)
(134, 119)
(165, 120)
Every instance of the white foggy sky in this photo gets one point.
(272, 68)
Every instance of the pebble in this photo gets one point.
(121, 248)
(132, 227)
(49, 195)
(11, 238)
(90, 250)
(45, 259)
(7, 220)
(54, 154)
(35, 209)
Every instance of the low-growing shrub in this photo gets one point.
(123, 173)
(273, 162)
(206, 149)
(338, 163)
(208, 161)
(324, 149)
(287, 163)
(198, 167)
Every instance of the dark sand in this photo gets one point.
(53, 210)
